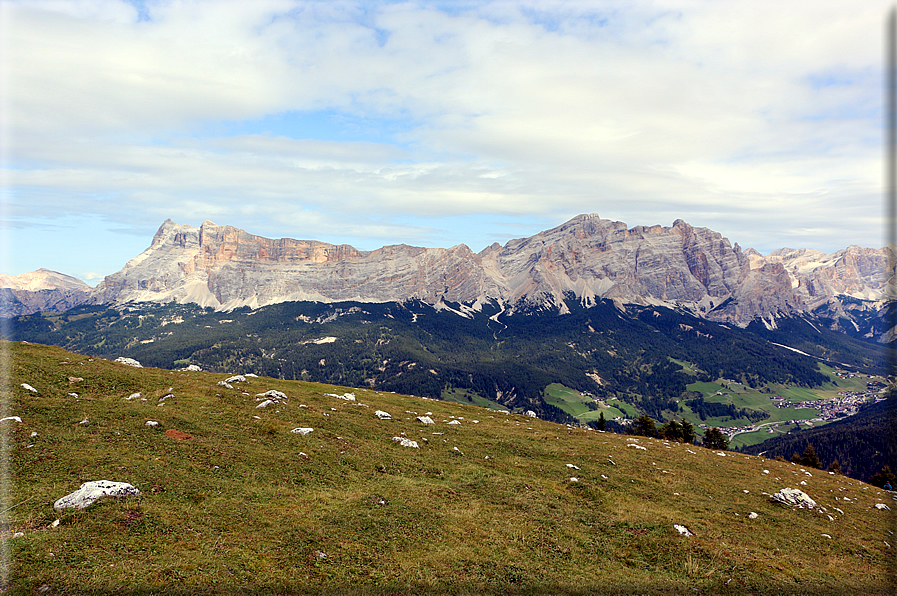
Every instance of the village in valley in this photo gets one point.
(844, 403)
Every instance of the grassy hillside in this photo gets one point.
(484, 506)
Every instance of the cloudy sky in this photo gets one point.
(434, 123)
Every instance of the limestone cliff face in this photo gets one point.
(225, 267)
(681, 266)
(596, 258)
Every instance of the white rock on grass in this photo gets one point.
(191, 368)
(795, 498)
(425, 420)
(91, 492)
(137, 395)
(882, 506)
(573, 467)
(129, 362)
(235, 379)
(637, 446)
(530, 413)
(345, 396)
(383, 415)
(28, 387)
(302, 430)
(752, 515)
(683, 530)
(406, 442)
(13, 418)
(225, 384)
(150, 423)
(274, 393)
(454, 422)
(265, 404)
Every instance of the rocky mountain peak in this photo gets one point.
(681, 266)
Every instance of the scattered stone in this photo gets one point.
(383, 415)
(637, 446)
(794, 497)
(28, 387)
(251, 375)
(13, 418)
(752, 515)
(766, 471)
(73, 380)
(235, 379)
(44, 588)
(132, 396)
(803, 482)
(838, 510)
(225, 384)
(882, 506)
(530, 413)
(85, 421)
(454, 422)
(574, 479)
(151, 423)
(345, 396)
(55, 524)
(682, 530)
(34, 433)
(406, 442)
(302, 430)
(273, 393)
(303, 455)
(91, 492)
(265, 404)
(129, 362)
(190, 368)
(425, 420)
(75, 395)
(572, 467)
(458, 450)
(18, 535)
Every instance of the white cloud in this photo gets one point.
(745, 117)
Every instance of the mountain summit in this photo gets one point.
(684, 267)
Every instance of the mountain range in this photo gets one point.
(691, 269)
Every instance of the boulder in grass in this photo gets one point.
(129, 362)
(383, 415)
(235, 379)
(425, 420)
(302, 431)
(91, 492)
(406, 442)
(683, 530)
(28, 387)
(795, 498)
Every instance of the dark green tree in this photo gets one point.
(835, 467)
(809, 458)
(644, 426)
(883, 477)
(688, 433)
(602, 423)
(671, 431)
(716, 439)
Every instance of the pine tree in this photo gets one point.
(602, 423)
(688, 433)
(809, 458)
(716, 439)
(835, 467)
(644, 425)
(885, 476)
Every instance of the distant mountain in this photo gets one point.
(694, 270)
(40, 291)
